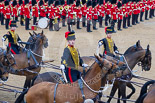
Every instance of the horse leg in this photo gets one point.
(122, 87)
(119, 95)
(132, 88)
(113, 91)
(27, 82)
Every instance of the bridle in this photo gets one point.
(144, 61)
(7, 60)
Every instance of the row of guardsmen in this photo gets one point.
(88, 11)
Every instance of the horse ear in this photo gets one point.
(97, 57)
(42, 32)
(34, 33)
(138, 43)
(30, 34)
(148, 46)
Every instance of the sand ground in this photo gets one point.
(87, 43)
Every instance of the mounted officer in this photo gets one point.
(108, 43)
(13, 38)
(71, 59)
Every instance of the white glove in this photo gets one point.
(62, 67)
(85, 65)
(3, 39)
(109, 15)
(99, 44)
(116, 51)
(19, 41)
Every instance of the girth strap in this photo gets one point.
(55, 89)
(81, 88)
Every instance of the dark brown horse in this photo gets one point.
(44, 91)
(32, 63)
(139, 55)
(147, 95)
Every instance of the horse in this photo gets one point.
(44, 92)
(147, 96)
(137, 55)
(5, 64)
(19, 68)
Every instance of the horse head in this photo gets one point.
(134, 48)
(110, 68)
(146, 61)
(6, 60)
(42, 39)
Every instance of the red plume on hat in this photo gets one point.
(66, 34)
(105, 29)
(10, 22)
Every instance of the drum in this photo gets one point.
(34, 27)
(43, 23)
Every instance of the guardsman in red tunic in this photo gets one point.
(120, 16)
(125, 13)
(7, 13)
(15, 12)
(129, 6)
(63, 13)
(84, 12)
(22, 5)
(34, 11)
(51, 15)
(101, 11)
(78, 13)
(46, 7)
(94, 15)
(2, 12)
(151, 9)
(142, 7)
(42, 9)
(107, 11)
(147, 5)
(70, 15)
(113, 14)
(27, 15)
(134, 9)
(89, 15)
(138, 12)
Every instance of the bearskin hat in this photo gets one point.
(100, 2)
(133, 0)
(1, 0)
(14, 3)
(26, 2)
(77, 3)
(34, 2)
(83, 2)
(45, 1)
(71, 1)
(50, 2)
(6, 3)
(89, 3)
(41, 2)
(62, 2)
(113, 1)
(124, 2)
(20, 2)
(94, 4)
(119, 4)
(56, 3)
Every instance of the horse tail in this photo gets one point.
(32, 83)
(21, 96)
(144, 90)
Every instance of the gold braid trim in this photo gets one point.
(111, 45)
(14, 36)
(75, 56)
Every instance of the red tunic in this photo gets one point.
(27, 11)
(7, 12)
(51, 12)
(35, 11)
(42, 11)
(120, 14)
